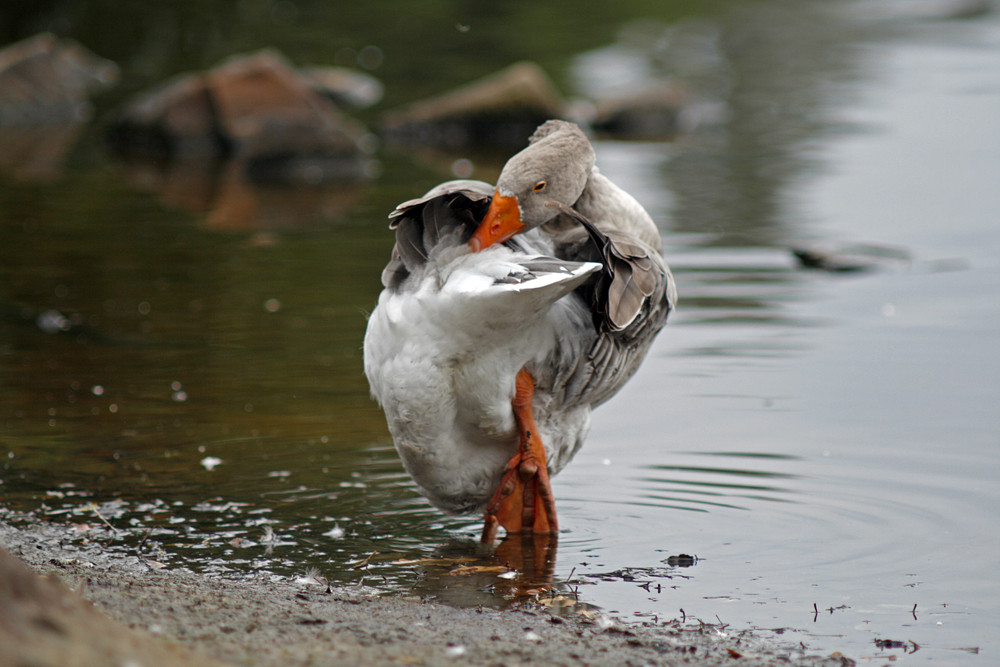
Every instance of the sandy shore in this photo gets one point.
(95, 606)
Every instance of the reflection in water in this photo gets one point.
(765, 84)
(229, 201)
(533, 557)
(37, 153)
(797, 432)
(519, 569)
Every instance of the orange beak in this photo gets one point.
(502, 221)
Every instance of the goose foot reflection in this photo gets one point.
(520, 569)
(533, 560)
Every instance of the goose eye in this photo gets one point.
(539, 186)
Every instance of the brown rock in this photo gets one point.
(347, 88)
(499, 111)
(45, 86)
(173, 121)
(651, 113)
(48, 80)
(257, 109)
(43, 623)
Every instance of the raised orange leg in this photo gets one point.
(523, 503)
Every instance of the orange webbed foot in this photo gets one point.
(523, 502)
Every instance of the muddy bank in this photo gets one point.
(149, 614)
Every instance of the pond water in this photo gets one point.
(812, 454)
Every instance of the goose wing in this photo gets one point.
(451, 208)
(629, 301)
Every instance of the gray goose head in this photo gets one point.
(554, 167)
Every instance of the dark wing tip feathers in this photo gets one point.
(420, 223)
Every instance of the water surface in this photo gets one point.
(807, 453)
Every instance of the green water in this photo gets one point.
(180, 352)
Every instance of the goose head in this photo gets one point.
(554, 167)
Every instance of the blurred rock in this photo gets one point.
(46, 80)
(499, 111)
(45, 86)
(42, 623)
(256, 109)
(652, 113)
(347, 88)
(176, 120)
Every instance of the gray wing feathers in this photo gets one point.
(453, 207)
(472, 190)
(629, 301)
(636, 275)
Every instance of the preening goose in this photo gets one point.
(509, 313)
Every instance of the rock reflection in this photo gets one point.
(759, 84)
(36, 153)
(228, 200)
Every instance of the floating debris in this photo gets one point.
(465, 570)
(444, 562)
(850, 257)
(210, 462)
(335, 533)
(681, 560)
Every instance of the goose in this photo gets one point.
(508, 313)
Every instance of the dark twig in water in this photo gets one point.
(575, 589)
(320, 579)
(138, 549)
(363, 564)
